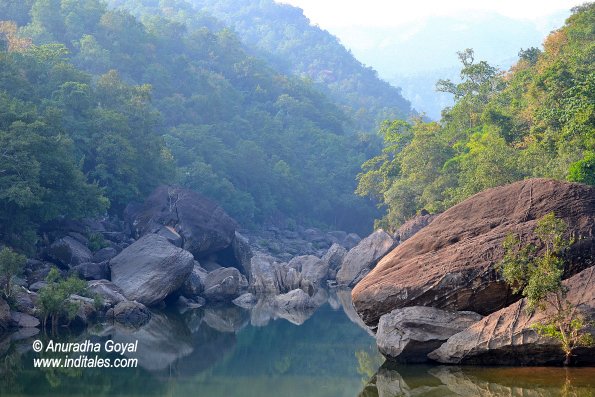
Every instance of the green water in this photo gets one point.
(232, 352)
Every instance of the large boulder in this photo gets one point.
(92, 271)
(410, 333)
(24, 320)
(334, 256)
(242, 252)
(506, 337)
(363, 257)
(150, 269)
(450, 264)
(109, 293)
(104, 254)
(203, 225)
(194, 284)
(224, 285)
(69, 252)
(311, 268)
(133, 314)
(270, 277)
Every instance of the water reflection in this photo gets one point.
(213, 351)
(427, 381)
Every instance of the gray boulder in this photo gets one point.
(150, 269)
(104, 254)
(334, 256)
(92, 271)
(242, 252)
(69, 252)
(24, 320)
(171, 235)
(264, 274)
(410, 333)
(351, 240)
(24, 300)
(294, 299)
(224, 284)
(107, 291)
(194, 284)
(132, 314)
(246, 301)
(363, 257)
(204, 226)
(311, 268)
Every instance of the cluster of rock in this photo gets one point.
(284, 244)
(179, 248)
(428, 297)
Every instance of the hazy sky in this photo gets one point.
(402, 37)
(331, 14)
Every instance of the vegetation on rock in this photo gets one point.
(539, 278)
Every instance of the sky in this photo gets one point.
(397, 37)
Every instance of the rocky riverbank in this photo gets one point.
(180, 250)
(428, 296)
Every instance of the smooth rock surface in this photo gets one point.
(24, 320)
(69, 252)
(150, 269)
(224, 284)
(203, 225)
(363, 257)
(450, 264)
(107, 291)
(407, 335)
(506, 337)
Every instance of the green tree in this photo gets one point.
(54, 298)
(536, 271)
(11, 265)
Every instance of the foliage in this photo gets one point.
(539, 278)
(174, 97)
(537, 120)
(53, 298)
(97, 242)
(11, 265)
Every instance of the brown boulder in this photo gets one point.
(450, 263)
(204, 227)
(506, 337)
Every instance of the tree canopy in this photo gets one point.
(536, 120)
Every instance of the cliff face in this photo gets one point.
(450, 264)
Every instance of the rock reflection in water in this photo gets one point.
(427, 381)
(161, 342)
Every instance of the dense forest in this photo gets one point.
(99, 107)
(267, 115)
(283, 36)
(536, 120)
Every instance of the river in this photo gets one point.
(232, 352)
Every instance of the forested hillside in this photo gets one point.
(99, 107)
(282, 35)
(536, 120)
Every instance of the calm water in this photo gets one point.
(232, 352)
